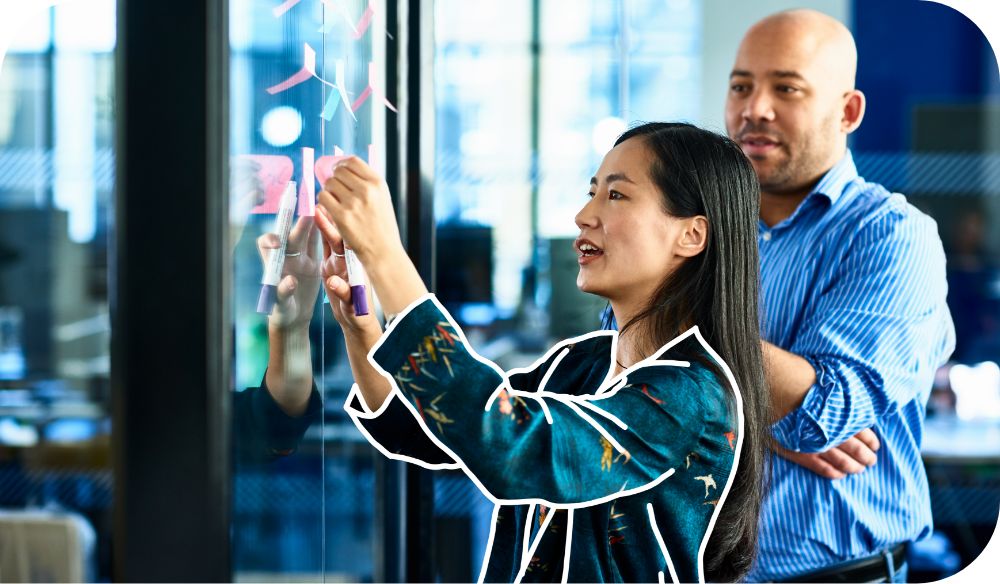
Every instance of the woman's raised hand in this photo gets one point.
(334, 271)
(357, 200)
(359, 209)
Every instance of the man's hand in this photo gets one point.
(851, 457)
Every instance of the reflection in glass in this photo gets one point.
(306, 89)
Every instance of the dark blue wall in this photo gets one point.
(911, 52)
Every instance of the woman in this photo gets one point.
(612, 458)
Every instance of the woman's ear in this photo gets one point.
(694, 236)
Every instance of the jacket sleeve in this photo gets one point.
(262, 431)
(527, 446)
(876, 336)
(394, 430)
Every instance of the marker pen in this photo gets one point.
(276, 260)
(356, 279)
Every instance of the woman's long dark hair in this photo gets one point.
(702, 173)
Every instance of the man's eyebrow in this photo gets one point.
(614, 176)
(787, 75)
(740, 73)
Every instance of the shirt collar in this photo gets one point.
(831, 186)
(835, 181)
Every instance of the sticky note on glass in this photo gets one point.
(273, 173)
(307, 72)
(307, 192)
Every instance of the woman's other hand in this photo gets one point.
(337, 287)
(358, 201)
(300, 275)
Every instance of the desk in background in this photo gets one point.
(962, 458)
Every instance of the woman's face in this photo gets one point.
(628, 244)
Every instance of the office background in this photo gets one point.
(138, 164)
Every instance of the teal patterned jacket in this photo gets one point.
(594, 478)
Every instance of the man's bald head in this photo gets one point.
(792, 100)
(812, 39)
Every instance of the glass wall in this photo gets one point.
(56, 176)
(525, 114)
(307, 86)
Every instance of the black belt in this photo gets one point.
(870, 569)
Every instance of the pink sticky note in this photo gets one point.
(372, 159)
(339, 8)
(357, 30)
(307, 192)
(273, 172)
(324, 166)
(277, 11)
(364, 22)
(361, 98)
(307, 72)
(370, 90)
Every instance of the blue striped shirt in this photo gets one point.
(854, 282)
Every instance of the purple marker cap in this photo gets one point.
(267, 299)
(359, 299)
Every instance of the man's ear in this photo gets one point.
(854, 110)
(693, 237)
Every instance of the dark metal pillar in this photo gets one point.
(170, 328)
(406, 501)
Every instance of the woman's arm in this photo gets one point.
(374, 388)
(289, 376)
(289, 369)
(269, 421)
(360, 332)
(394, 429)
(535, 446)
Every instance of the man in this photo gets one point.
(854, 315)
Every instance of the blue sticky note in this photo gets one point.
(331, 106)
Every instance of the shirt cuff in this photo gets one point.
(284, 432)
(800, 430)
(408, 330)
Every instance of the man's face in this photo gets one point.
(782, 111)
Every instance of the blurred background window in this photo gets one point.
(56, 179)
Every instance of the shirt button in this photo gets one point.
(766, 236)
